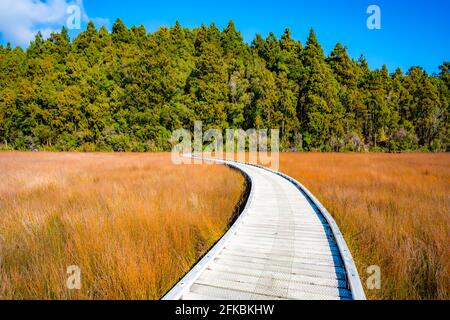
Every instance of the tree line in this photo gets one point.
(128, 89)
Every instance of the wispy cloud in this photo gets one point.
(20, 20)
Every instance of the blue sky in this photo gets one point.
(412, 32)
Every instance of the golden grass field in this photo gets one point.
(394, 212)
(133, 223)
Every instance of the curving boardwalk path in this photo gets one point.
(285, 245)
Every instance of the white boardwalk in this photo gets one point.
(283, 246)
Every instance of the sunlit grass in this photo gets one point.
(133, 223)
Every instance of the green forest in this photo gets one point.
(128, 89)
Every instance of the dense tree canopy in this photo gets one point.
(129, 89)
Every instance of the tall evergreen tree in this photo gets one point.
(321, 113)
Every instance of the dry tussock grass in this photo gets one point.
(133, 223)
(394, 212)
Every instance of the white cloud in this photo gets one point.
(20, 20)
